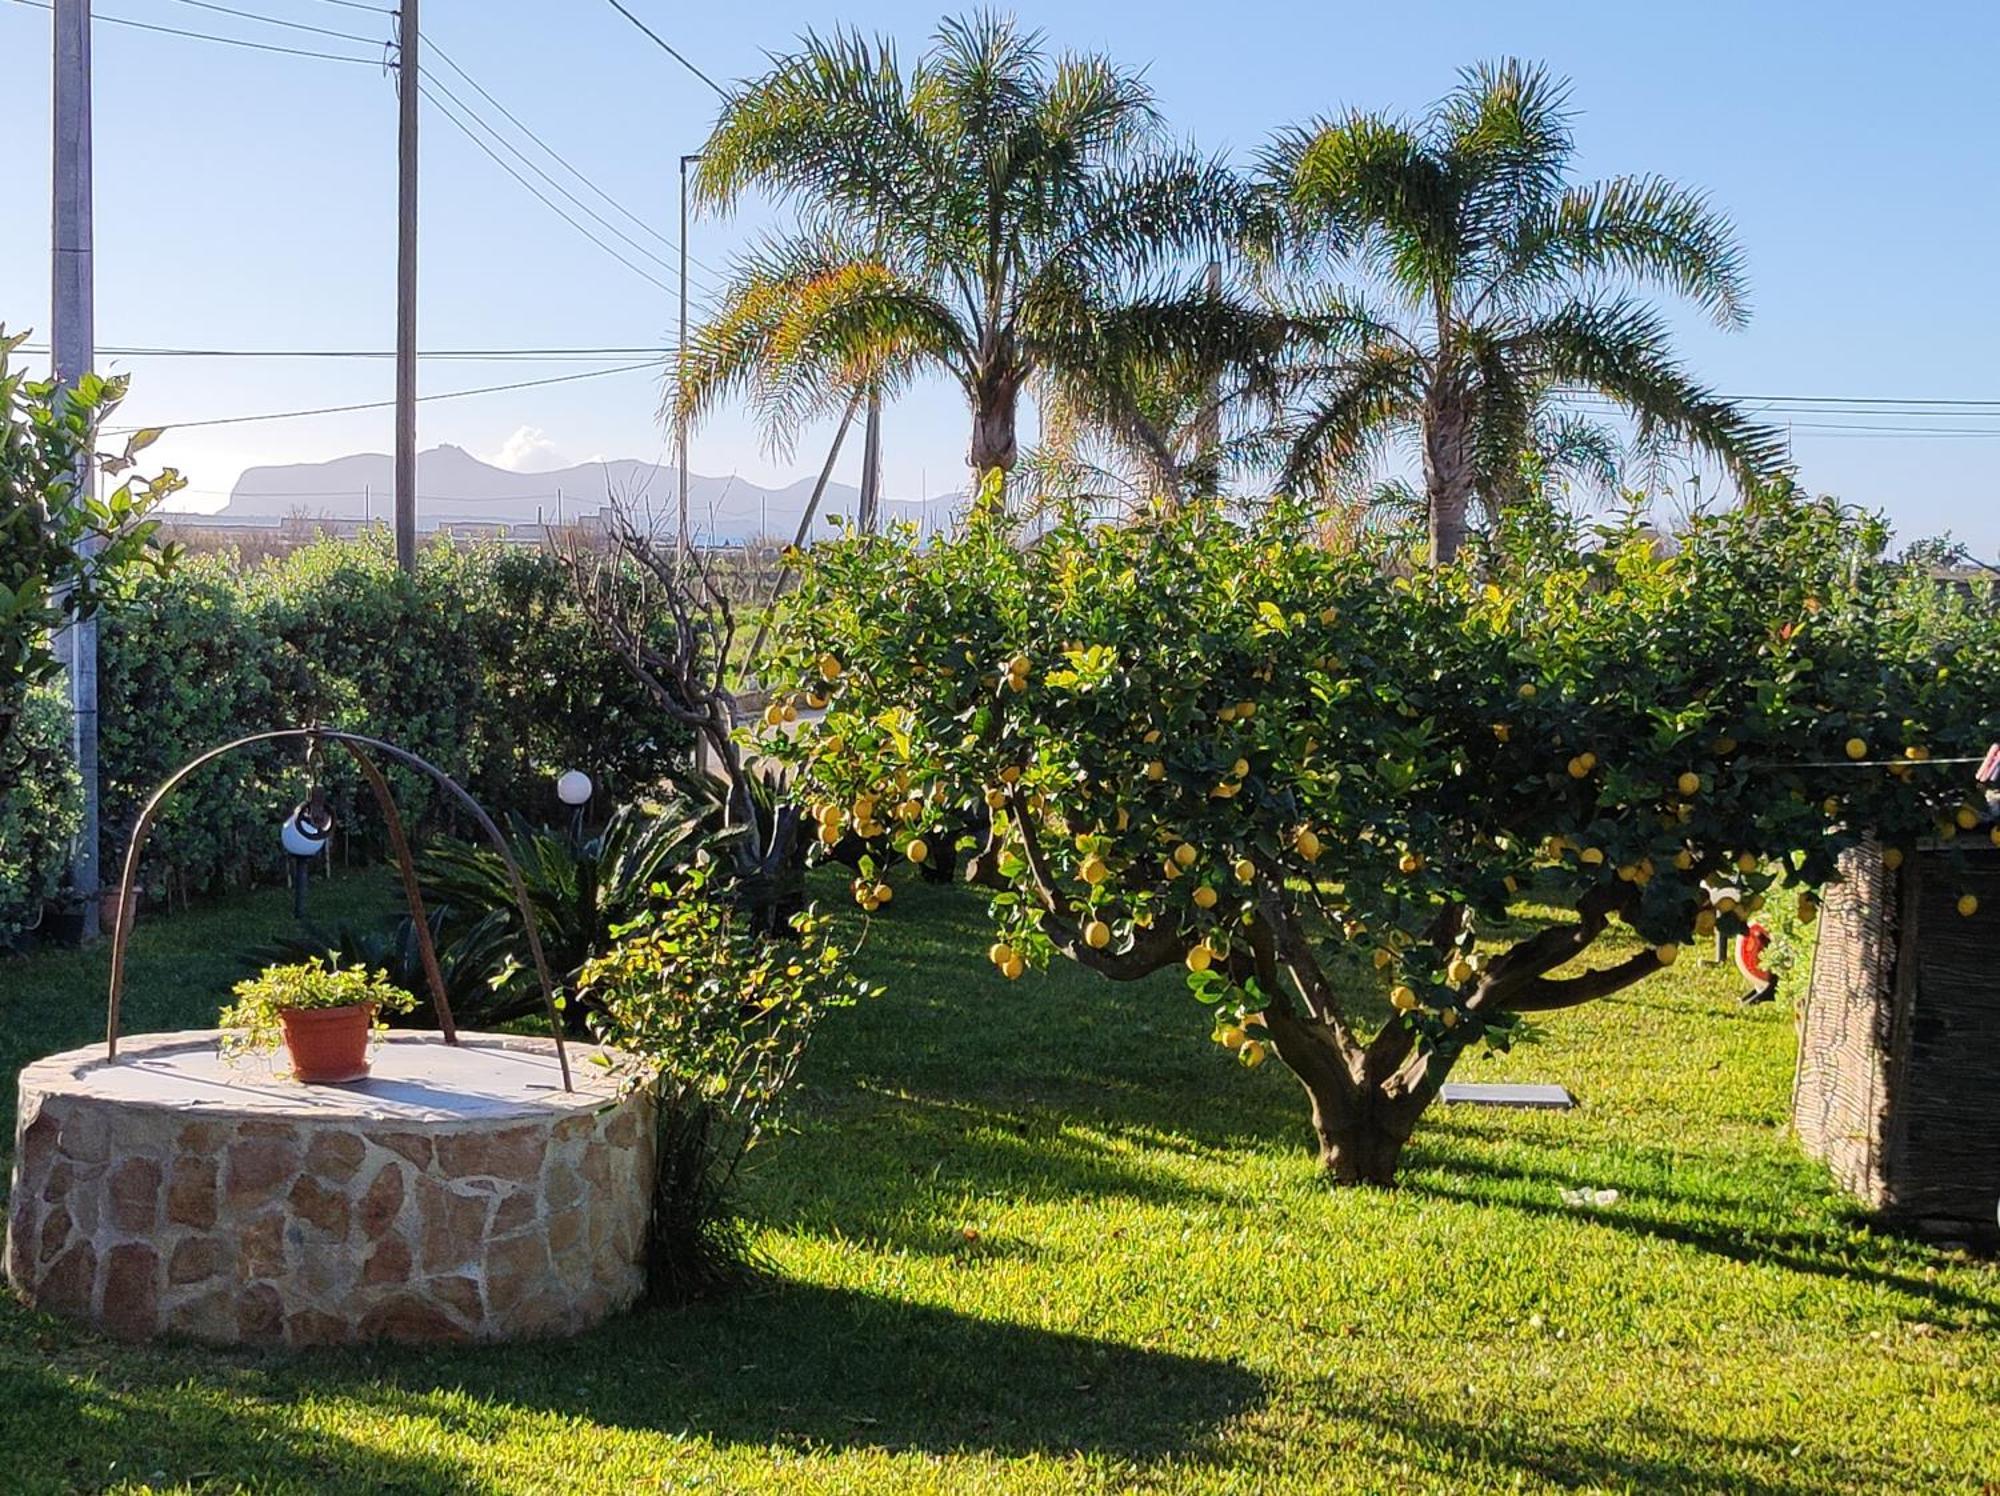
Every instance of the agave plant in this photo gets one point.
(581, 889)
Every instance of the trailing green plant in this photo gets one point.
(40, 813)
(718, 1015)
(467, 962)
(581, 890)
(253, 1021)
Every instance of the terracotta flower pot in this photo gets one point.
(328, 1045)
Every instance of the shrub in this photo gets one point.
(481, 664)
(40, 813)
(47, 578)
(719, 1017)
(1313, 779)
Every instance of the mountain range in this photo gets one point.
(453, 486)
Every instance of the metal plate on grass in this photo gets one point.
(1472, 1093)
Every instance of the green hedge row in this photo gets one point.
(40, 810)
(481, 663)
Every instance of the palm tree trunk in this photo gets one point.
(1448, 476)
(995, 411)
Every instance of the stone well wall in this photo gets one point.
(452, 1196)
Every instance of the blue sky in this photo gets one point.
(246, 200)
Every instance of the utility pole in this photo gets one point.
(869, 506)
(72, 340)
(406, 284)
(680, 356)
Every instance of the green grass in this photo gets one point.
(1160, 1295)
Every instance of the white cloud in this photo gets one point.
(529, 450)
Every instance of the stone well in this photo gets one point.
(455, 1194)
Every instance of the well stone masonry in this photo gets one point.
(456, 1194)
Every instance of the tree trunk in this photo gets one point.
(995, 408)
(1361, 1135)
(1448, 475)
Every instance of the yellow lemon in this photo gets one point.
(1857, 748)
(1402, 998)
(1307, 843)
(829, 667)
(1094, 870)
(1578, 769)
(1240, 767)
(1200, 958)
(1746, 862)
(1012, 968)
(1704, 922)
(1684, 859)
(1383, 958)
(1253, 1053)
(1097, 934)
(1185, 854)
(1688, 783)
(1410, 862)
(1204, 897)
(999, 954)
(884, 893)
(1967, 817)
(1246, 870)
(1459, 972)
(1019, 665)
(1591, 855)
(1527, 691)
(918, 850)
(1449, 1018)
(1231, 1037)
(1666, 954)
(1892, 858)
(1156, 770)
(1968, 905)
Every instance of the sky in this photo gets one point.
(246, 200)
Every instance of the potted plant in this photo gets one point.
(323, 1013)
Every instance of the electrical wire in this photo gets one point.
(516, 152)
(467, 131)
(338, 410)
(209, 36)
(464, 355)
(553, 153)
(661, 42)
(251, 15)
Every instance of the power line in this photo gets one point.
(337, 410)
(554, 154)
(464, 355)
(209, 36)
(251, 15)
(662, 43)
(515, 151)
(468, 133)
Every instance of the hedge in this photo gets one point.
(40, 812)
(481, 663)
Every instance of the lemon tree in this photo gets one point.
(1318, 779)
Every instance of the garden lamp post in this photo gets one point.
(305, 835)
(574, 789)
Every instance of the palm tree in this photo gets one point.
(1490, 288)
(996, 214)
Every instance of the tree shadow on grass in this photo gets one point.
(1646, 1451)
(789, 1366)
(127, 1420)
(1492, 1185)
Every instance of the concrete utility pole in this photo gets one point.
(406, 285)
(73, 343)
(869, 506)
(680, 354)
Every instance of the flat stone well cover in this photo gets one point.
(457, 1193)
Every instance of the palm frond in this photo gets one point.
(1621, 349)
(1645, 229)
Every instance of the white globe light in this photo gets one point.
(573, 787)
(301, 838)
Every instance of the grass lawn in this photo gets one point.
(1045, 1237)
